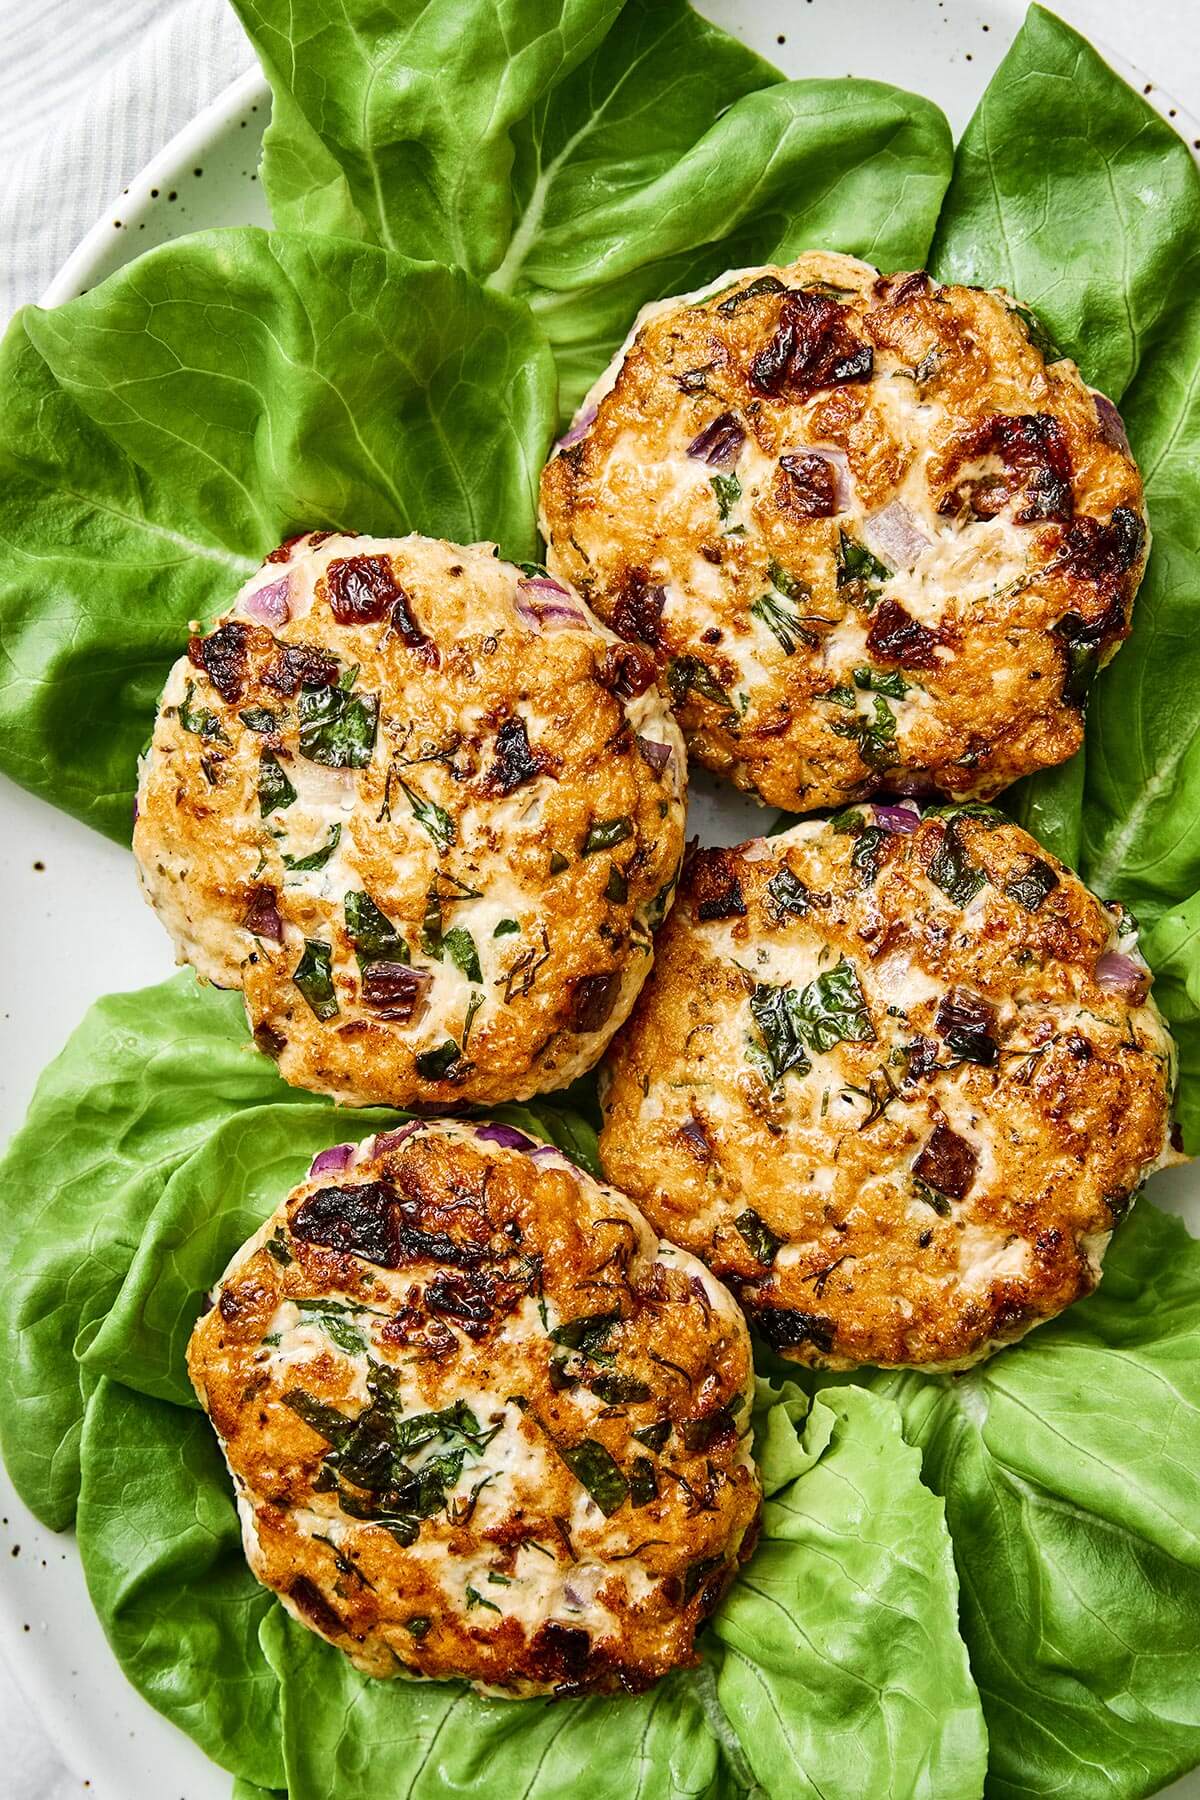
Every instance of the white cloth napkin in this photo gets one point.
(89, 90)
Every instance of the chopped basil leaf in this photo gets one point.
(258, 718)
(762, 284)
(881, 681)
(372, 933)
(199, 720)
(616, 1389)
(697, 1573)
(654, 1436)
(784, 583)
(788, 893)
(840, 696)
(847, 823)
(314, 978)
(326, 1421)
(337, 729)
(275, 791)
(687, 674)
(461, 947)
(876, 738)
(952, 870)
(432, 1065)
(643, 1484)
(586, 1334)
(335, 1326)
(431, 817)
(506, 928)
(728, 490)
(348, 677)
(616, 888)
(867, 854)
(832, 1009)
(782, 1048)
(763, 1242)
(1032, 885)
(475, 1598)
(858, 571)
(277, 1246)
(594, 1469)
(604, 833)
(558, 862)
(316, 859)
(931, 1197)
(418, 1626)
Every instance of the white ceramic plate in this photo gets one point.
(58, 873)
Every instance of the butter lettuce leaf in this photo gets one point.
(161, 434)
(589, 158)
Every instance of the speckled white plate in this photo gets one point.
(56, 871)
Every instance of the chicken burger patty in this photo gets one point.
(423, 810)
(895, 1079)
(877, 533)
(480, 1421)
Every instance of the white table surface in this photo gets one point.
(89, 90)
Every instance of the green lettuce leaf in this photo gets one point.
(162, 1553)
(884, 1704)
(156, 1143)
(1069, 1466)
(162, 433)
(1070, 190)
(596, 158)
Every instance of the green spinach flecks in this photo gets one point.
(875, 736)
(781, 1047)
(372, 933)
(594, 1469)
(475, 1598)
(617, 887)
(259, 718)
(832, 1009)
(952, 869)
(654, 1436)
(840, 696)
(764, 1244)
(337, 729)
(643, 1483)
(881, 681)
(728, 490)
(507, 928)
(1031, 884)
(199, 720)
(587, 1334)
(688, 675)
(784, 622)
(438, 1064)
(604, 833)
(432, 818)
(316, 859)
(788, 894)
(314, 977)
(860, 576)
(275, 791)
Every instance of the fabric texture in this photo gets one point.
(89, 91)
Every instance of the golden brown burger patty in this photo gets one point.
(877, 535)
(480, 1421)
(424, 810)
(895, 1081)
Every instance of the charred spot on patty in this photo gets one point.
(516, 763)
(300, 665)
(712, 883)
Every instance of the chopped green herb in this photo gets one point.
(275, 791)
(431, 817)
(783, 622)
(654, 1436)
(314, 978)
(372, 933)
(258, 718)
(881, 681)
(432, 1065)
(616, 1389)
(728, 490)
(847, 823)
(788, 893)
(604, 833)
(316, 859)
(585, 1334)
(763, 1242)
(506, 928)
(643, 1484)
(790, 586)
(336, 729)
(832, 1009)
(1036, 332)
(858, 572)
(277, 1246)
(952, 870)
(698, 1434)
(867, 854)
(931, 1197)
(840, 696)
(558, 862)
(473, 1006)
(687, 674)
(762, 284)
(348, 677)
(594, 1469)
(475, 1598)
(335, 1326)
(782, 1048)
(697, 1573)
(498, 1580)
(1032, 885)
(199, 720)
(461, 947)
(326, 1421)
(617, 888)
(876, 737)
(418, 1626)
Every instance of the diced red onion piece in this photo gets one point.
(578, 428)
(396, 991)
(657, 755)
(839, 468)
(1119, 974)
(507, 1136)
(269, 605)
(338, 1156)
(694, 1132)
(900, 817)
(720, 443)
(546, 606)
(262, 916)
(390, 1140)
(894, 535)
(757, 850)
(1112, 425)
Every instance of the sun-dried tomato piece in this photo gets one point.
(222, 656)
(947, 1164)
(713, 884)
(895, 636)
(639, 607)
(815, 345)
(300, 665)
